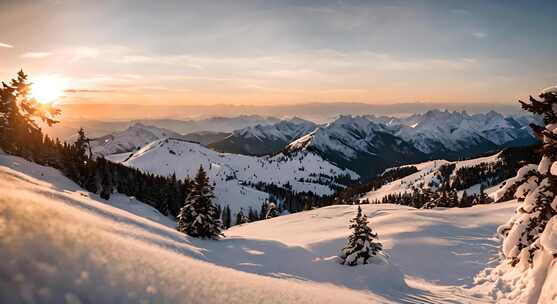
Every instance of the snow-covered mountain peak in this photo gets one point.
(130, 139)
(355, 142)
(436, 131)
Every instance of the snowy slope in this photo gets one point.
(65, 246)
(439, 251)
(428, 173)
(264, 139)
(131, 139)
(230, 171)
(60, 245)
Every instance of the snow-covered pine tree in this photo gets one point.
(199, 217)
(272, 210)
(521, 235)
(362, 243)
(482, 197)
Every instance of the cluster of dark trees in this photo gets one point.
(427, 198)
(267, 210)
(351, 195)
(289, 199)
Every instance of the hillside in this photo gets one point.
(233, 173)
(460, 176)
(428, 176)
(68, 245)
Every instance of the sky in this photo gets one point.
(282, 52)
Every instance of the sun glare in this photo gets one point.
(47, 89)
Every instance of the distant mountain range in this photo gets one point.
(317, 111)
(369, 144)
(364, 144)
(444, 132)
(67, 128)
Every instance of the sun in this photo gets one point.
(47, 89)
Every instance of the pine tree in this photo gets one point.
(263, 212)
(521, 234)
(28, 106)
(361, 244)
(483, 198)
(24, 136)
(241, 218)
(252, 215)
(453, 199)
(227, 217)
(199, 217)
(105, 179)
(465, 200)
(272, 210)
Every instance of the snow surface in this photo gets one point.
(61, 245)
(427, 173)
(552, 89)
(231, 171)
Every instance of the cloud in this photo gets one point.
(82, 53)
(36, 55)
(5, 45)
(73, 91)
(479, 35)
